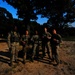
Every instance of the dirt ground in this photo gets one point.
(42, 67)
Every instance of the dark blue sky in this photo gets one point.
(14, 12)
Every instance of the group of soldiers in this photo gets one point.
(49, 42)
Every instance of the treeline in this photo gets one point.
(5, 28)
(60, 13)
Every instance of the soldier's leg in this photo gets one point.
(11, 57)
(12, 54)
(48, 50)
(37, 51)
(24, 54)
(34, 51)
(16, 51)
(9, 45)
(43, 49)
(53, 52)
(56, 55)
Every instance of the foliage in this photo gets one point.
(6, 20)
(58, 12)
(25, 8)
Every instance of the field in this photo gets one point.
(42, 67)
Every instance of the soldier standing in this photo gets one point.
(25, 42)
(35, 39)
(46, 42)
(55, 43)
(14, 44)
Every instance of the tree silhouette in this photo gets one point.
(6, 20)
(25, 9)
(58, 12)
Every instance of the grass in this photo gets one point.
(69, 38)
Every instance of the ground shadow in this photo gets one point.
(45, 60)
(4, 57)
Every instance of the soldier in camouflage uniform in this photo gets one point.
(55, 43)
(46, 42)
(13, 40)
(35, 39)
(25, 43)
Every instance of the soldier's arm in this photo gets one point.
(8, 38)
(58, 40)
(32, 38)
(49, 36)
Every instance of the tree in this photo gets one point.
(6, 20)
(25, 9)
(58, 12)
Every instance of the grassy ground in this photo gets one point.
(69, 38)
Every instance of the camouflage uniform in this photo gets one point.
(25, 43)
(35, 39)
(54, 46)
(14, 45)
(9, 42)
(46, 43)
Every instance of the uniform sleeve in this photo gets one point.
(32, 38)
(22, 38)
(49, 34)
(60, 39)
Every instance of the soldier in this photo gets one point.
(13, 38)
(35, 39)
(46, 42)
(55, 42)
(25, 43)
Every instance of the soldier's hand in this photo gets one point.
(49, 37)
(24, 42)
(56, 40)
